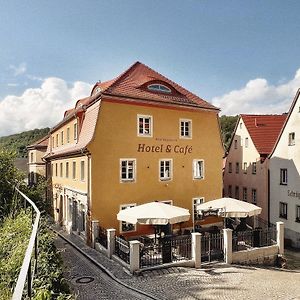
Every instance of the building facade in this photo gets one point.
(36, 164)
(285, 178)
(246, 169)
(136, 139)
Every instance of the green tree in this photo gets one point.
(227, 127)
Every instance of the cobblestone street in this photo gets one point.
(214, 281)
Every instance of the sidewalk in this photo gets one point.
(214, 281)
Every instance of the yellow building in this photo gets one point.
(137, 138)
(36, 165)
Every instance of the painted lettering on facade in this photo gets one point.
(294, 194)
(165, 149)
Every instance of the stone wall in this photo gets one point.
(256, 256)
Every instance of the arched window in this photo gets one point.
(157, 87)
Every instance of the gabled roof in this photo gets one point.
(286, 120)
(264, 130)
(41, 143)
(133, 83)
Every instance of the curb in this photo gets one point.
(106, 271)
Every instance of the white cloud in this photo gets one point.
(12, 84)
(40, 107)
(19, 70)
(259, 97)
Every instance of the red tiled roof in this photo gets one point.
(264, 130)
(133, 84)
(41, 143)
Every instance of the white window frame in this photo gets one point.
(57, 139)
(144, 117)
(158, 87)
(246, 142)
(190, 131)
(245, 167)
(195, 203)
(235, 144)
(292, 139)
(283, 210)
(163, 161)
(124, 206)
(61, 170)
(283, 176)
(127, 179)
(254, 196)
(198, 170)
(56, 170)
(254, 168)
(62, 137)
(82, 170)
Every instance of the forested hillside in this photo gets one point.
(227, 128)
(18, 142)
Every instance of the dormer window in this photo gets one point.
(156, 87)
(97, 90)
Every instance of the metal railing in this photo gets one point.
(102, 238)
(28, 269)
(122, 249)
(212, 247)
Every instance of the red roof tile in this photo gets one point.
(133, 84)
(41, 143)
(264, 130)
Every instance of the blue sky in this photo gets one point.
(242, 56)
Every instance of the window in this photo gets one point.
(254, 196)
(82, 170)
(159, 88)
(83, 217)
(127, 169)
(283, 177)
(165, 169)
(144, 125)
(237, 168)
(198, 169)
(298, 213)
(67, 169)
(56, 173)
(57, 140)
(241, 125)
(68, 135)
(61, 169)
(185, 129)
(127, 227)
(75, 131)
(292, 139)
(230, 191)
(237, 192)
(235, 144)
(246, 142)
(244, 194)
(62, 137)
(196, 202)
(245, 168)
(254, 168)
(230, 167)
(283, 210)
(31, 157)
(74, 170)
(53, 142)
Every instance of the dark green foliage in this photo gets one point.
(18, 142)
(9, 176)
(227, 128)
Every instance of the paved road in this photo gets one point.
(87, 281)
(212, 282)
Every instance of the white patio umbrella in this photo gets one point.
(155, 213)
(230, 207)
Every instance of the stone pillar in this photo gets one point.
(111, 233)
(95, 231)
(196, 249)
(227, 245)
(134, 256)
(280, 237)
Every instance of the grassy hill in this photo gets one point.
(18, 142)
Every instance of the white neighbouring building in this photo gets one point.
(285, 176)
(246, 170)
